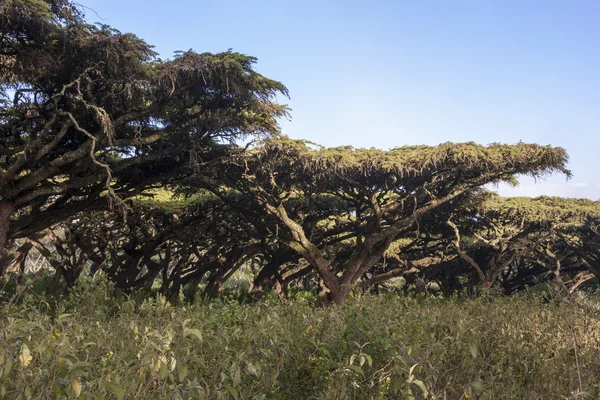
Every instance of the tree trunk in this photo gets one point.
(6, 210)
(495, 270)
(172, 293)
(70, 276)
(491, 277)
(339, 295)
(20, 264)
(265, 278)
(556, 276)
(214, 286)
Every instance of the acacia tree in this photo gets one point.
(174, 242)
(366, 198)
(61, 253)
(89, 114)
(519, 238)
(584, 240)
(168, 241)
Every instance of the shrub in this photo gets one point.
(95, 345)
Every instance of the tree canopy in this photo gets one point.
(341, 208)
(90, 114)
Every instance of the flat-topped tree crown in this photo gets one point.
(544, 208)
(407, 164)
(386, 193)
(581, 234)
(498, 235)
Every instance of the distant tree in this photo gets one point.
(163, 240)
(90, 115)
(61, 253)
(520, 239)
(584, 240)
(173, 242)
(342, 208)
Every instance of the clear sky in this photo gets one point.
(387, 73)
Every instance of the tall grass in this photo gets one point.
(96, 345)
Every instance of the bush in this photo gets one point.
(95, 345)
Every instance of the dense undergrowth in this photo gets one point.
(96, 344)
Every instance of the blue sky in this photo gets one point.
(388, 73)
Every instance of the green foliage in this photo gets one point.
(544, 208)
(342, 209)
(90, 114)
(407, 161)
(95, 345)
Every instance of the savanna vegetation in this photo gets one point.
(98, 344)
(160, 238)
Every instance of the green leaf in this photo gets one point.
(41, 348)
(182, 372)
(114, 389)
(231, 391)
(70, 359)
(163, 371)
(80, 365)
(421, 386)
(63, 316)
(193, 332)
(477, 386)
(98, 395)
(237, 376)
(7, 367)
(356, 369)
